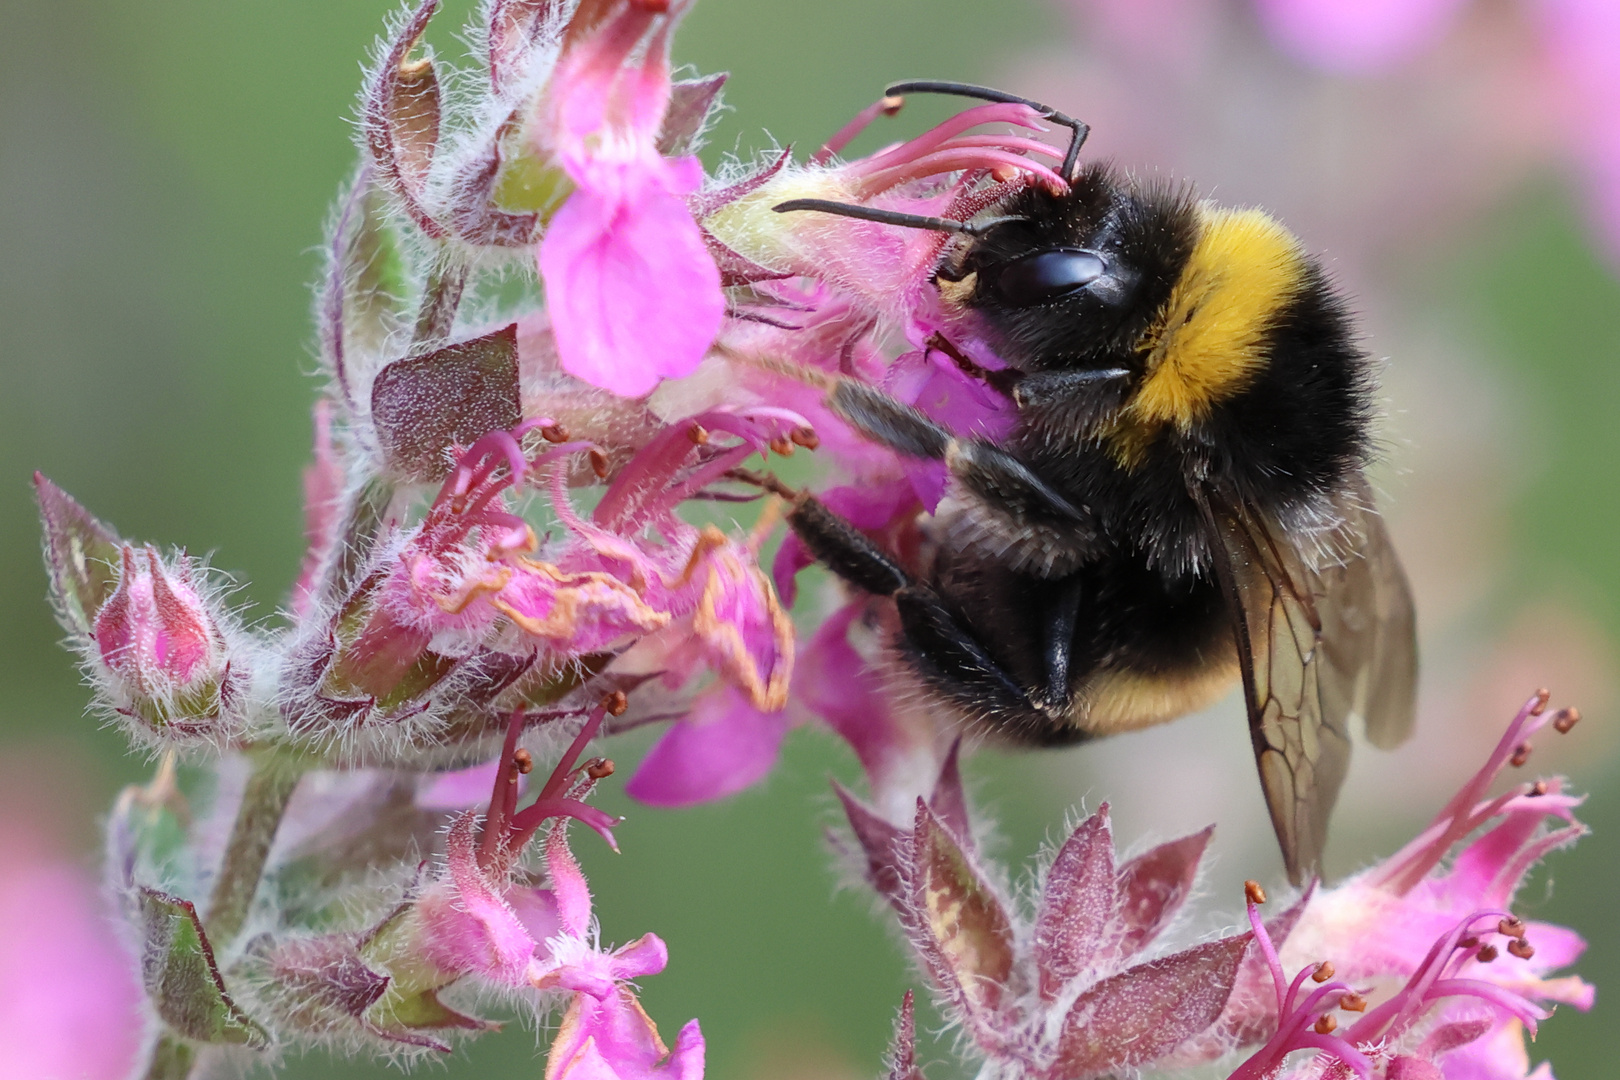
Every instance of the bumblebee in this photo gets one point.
(1181, 503)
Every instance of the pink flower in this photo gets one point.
(612, 1038)
(633, 292)
(1444, 932)
(483, 919)
(1357, 35)
(161, 650)
(155, 631)
(885, 268)
(1381, 1033)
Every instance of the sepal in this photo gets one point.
(182, 979)
(423, 406)
(81, 555)
(400, 119)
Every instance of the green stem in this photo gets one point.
(171, 1060)
(264, 800)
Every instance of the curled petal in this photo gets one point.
(468, 925)
(747, 634)
(576, 612)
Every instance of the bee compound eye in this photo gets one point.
(1047, 275)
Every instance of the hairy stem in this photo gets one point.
(171, 1060)
(441, 298)
(264, 800)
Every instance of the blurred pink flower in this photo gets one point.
(1357, 35)
(633, 292)
(1583, 41)
(69, 1002)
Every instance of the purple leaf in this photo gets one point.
(181, 978)
(1142, 1014)
(1077, 905)
(81, 554)
(400, 118)
(959, 925)
(1153, 886)
(451, 396)
(689, 103)
(883, 844)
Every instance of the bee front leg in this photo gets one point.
(997, 477)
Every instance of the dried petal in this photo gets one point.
(748, 636)
(959, 924)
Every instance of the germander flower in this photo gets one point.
(633, 292)
(1416, 918)
(469, 603)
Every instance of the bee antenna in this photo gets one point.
(985, 93)
(891, 217)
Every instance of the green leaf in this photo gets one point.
(182, 979)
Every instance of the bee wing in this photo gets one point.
(1369, 627)
(1317, 646)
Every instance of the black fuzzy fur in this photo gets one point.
(1142, 559)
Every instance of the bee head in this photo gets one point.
(1176, 301)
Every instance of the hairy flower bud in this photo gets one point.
(160, 650)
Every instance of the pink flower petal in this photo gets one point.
(634, 293)
(723, 746)
(468, 924)
(461, 789)
(747, 635)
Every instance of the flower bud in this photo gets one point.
(160, 647)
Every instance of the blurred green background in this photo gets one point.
(165, 167)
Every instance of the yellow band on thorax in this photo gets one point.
(1209, 342)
